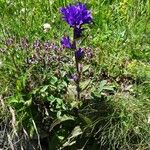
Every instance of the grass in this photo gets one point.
(119, 38)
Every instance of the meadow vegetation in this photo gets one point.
(41, 105)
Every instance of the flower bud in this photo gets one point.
(79, 54)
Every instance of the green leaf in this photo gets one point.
(59, 101)
(85, 84)
(44, 88)
(71, 139)
(21, 82)
(58, 114)
(31, 131)
(96, 94)
(28, 102)
(64, 83)
(16, 99)
(53, 80)
(13, 100)
(87, 120)
(110, 88)
(102, 84)
(85, 68)
(51, 99)
(66, 118)
(60, 120)
(76, 132)
(35, 91)
(74, 104)
(68, 143)
(71, 92)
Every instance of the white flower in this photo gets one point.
(46, 27)
(23, 10)
(51, 2)
(148, 119)
(1, 63)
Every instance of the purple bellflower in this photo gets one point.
(76, 15)
(79, 54)
(65, 42)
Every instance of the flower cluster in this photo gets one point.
(65, 42)
(76, 15)
(79, 54)
(24, 43)
(9, 42)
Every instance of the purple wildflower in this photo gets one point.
(47, 45)
(32, 59)
(76, 15)
(9, 42)
(89, 53)
(74, 77)
(65, 42)
(53, 46)
(37, 45)
(24, 43)
(79, 54)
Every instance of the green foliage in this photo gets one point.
(114, 110)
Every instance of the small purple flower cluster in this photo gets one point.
(37, 52)
(79, 54)
(37, 45)
(89, 53)
(24, 43)
(47, 45)
(45, 52)
(9, 42)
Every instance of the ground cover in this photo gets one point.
(41, 105)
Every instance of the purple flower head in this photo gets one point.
(47, 45)
(74, 77)
(54, 47)
(89, 53)
(24, 43)
(76, 15)
(65, 42)
(9, 41)
(79, 54)
(37, 45)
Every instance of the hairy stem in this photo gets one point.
(77, 67)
